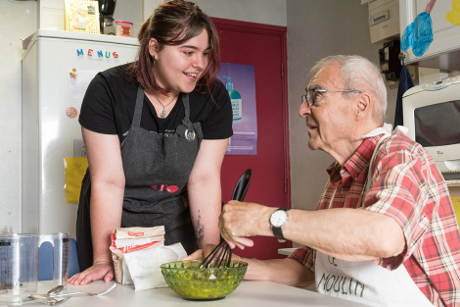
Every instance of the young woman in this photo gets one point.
(155, 132)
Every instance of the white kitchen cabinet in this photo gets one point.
(444, 51)
(384, 20)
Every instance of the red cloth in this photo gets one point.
(408, 187)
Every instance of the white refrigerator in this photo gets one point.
(56, 70)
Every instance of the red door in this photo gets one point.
(263, 46)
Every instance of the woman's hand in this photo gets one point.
(200, 254)
(99, 270)
(203, 253)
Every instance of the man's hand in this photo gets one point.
(101, 270)
(239, 220)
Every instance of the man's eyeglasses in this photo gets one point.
(310, 97)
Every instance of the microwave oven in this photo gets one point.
(431, 112)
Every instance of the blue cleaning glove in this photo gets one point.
(423, 35)
(418, 35)
(407, 39)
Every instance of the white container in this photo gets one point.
(123, 28)
(19, 261)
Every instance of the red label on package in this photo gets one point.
(135, 234)
(129, 249)
(112, 236)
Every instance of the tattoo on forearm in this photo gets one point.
(199, 228)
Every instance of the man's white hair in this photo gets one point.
(359, 73)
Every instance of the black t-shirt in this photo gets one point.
(108, 107)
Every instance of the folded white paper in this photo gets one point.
(126, 280)
(144, 265)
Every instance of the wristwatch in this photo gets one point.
(278, 219)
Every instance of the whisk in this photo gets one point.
(221, 255)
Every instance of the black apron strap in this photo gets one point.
(138, 107)
(190, 133)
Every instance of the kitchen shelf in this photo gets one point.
(453, 183)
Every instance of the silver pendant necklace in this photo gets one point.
(163, 112)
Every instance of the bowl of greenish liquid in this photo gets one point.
(187, 279)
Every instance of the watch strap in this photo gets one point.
(278, 232)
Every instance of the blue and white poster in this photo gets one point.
(239, 80)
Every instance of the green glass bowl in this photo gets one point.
(194, 283)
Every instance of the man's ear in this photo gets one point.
(363, 105)
(153, 47)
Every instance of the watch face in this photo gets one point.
(279, 218)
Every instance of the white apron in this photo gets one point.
(364, 281)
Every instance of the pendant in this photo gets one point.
(163, 114)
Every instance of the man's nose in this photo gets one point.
(304, 109)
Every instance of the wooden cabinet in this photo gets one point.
(430, 31)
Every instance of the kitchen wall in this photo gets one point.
(260, 11)
(316, 28)
(17, 19)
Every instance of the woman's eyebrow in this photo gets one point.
(193, 47)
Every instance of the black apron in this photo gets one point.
(156, 168)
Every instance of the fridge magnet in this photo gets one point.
(82, 16)
(73, 73)
(71, 112)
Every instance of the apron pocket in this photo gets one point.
(171, 205)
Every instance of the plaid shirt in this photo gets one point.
(406, 186)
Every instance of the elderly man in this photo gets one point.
(384, 231)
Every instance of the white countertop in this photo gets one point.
(286, 251)
(249, 293)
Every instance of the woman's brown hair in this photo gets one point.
(173, 23)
